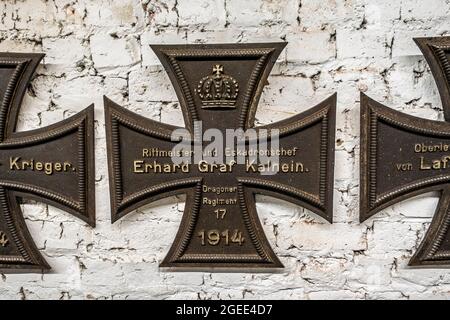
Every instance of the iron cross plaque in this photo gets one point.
(403, 156)
(218, 87)
(53, 164)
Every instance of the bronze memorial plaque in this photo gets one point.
(220, 160)
(403, 156)
(53, 164)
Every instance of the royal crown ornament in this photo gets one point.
(218, 90)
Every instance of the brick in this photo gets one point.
(113, 12)
(335, 295)
(383, 11)
(404, 44)
(416, 9)
(319, 237)
(74, 48)
(357, 44)
(148, 85)
(314, 47)
(261, 12)
(109, 52)
(160, 14)
(391, 236)
(202, 12)
(156, 37)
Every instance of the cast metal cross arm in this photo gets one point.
(52, 164)
(403, 156)
(219, 86)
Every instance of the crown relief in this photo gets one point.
(218, 89)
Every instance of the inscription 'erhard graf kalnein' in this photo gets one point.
(47, 167)
(141, 166)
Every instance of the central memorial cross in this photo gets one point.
(220, 86)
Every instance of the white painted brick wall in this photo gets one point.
(102, 47)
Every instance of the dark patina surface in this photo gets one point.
(403, 156)
(54, 164)
(221, 86)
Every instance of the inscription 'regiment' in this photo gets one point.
(403, 156)
(220, 85)
(52, 164)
